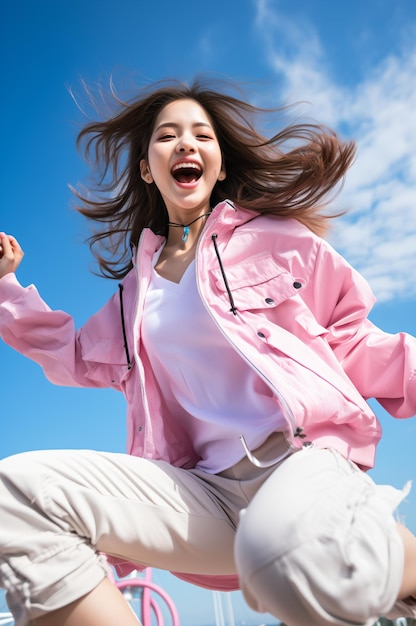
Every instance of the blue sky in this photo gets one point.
(351, 65)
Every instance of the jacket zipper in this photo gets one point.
(286, 409)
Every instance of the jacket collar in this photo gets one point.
(225, 214)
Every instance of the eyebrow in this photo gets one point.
(174, 125)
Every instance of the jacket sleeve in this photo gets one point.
(381, 365)
(90, 357)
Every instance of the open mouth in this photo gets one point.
(187, 172)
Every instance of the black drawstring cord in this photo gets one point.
(230, 295)
(123, 326)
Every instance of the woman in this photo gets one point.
(241, 341)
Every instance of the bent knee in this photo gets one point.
(338, 565)
(14, 463)
(22, 472)
(307, 586)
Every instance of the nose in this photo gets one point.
(186, 144)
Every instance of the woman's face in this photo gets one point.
(184, 159)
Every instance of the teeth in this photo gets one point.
(184, 165)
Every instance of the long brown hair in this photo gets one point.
(288, 174)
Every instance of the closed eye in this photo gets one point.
(166, 137)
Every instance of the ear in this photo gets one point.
(145, 172)
(222, 175)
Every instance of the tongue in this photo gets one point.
(186, 176)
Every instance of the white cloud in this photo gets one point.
(206, 46)
(378, 235)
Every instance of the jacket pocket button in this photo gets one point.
(297, 284)
(261, 334)
(269, 301)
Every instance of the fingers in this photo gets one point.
(11, 254)
(9, 244)
(5, 244)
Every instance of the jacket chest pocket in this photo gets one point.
(106, 362)
(260, 287)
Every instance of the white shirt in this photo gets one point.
(213, 394)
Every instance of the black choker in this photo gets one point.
(186, 226)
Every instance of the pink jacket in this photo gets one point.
(293, 308)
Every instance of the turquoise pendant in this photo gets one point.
(185, 234)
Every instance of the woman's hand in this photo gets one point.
(11, 254)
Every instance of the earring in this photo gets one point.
(221, 176)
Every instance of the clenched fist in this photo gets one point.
(11, 254)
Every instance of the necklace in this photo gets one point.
(185, 227)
